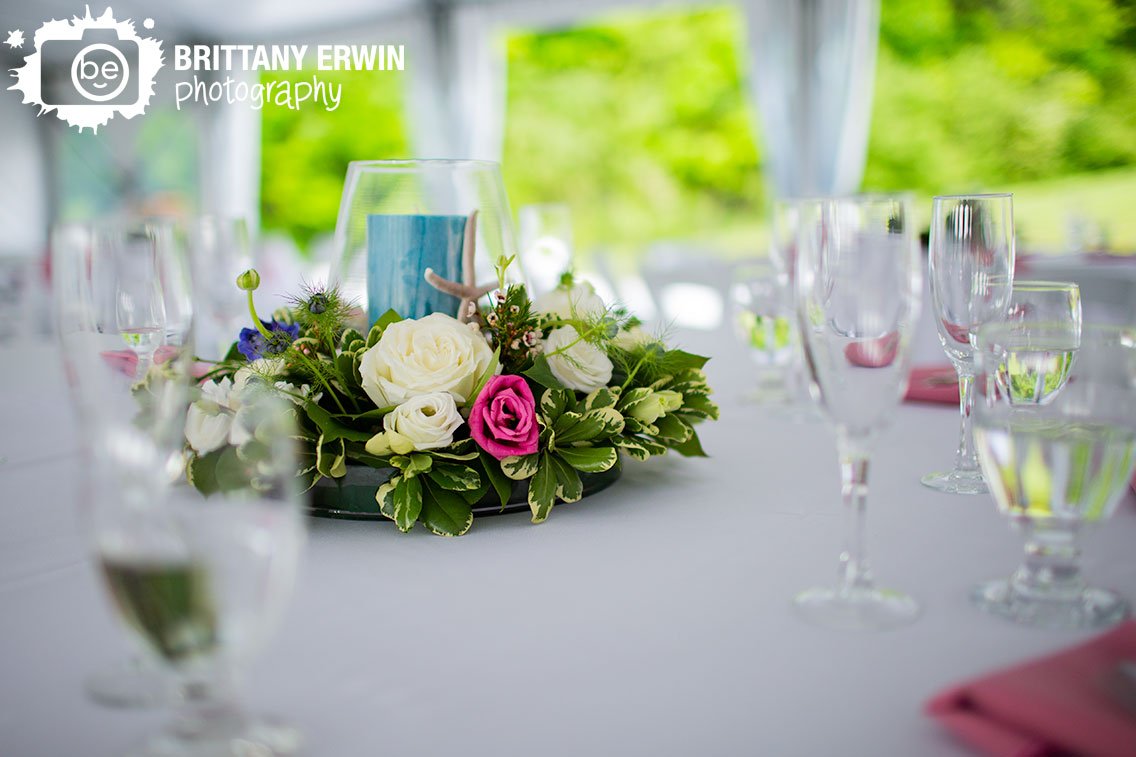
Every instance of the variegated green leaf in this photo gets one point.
(633, 447)
(554, 402)
(445, 513)
(542, 490)
(384, 496)
(373, 335)
(407, 503)
(569, 488)
(594, 424)
(331, 458)
(454, 456)
(519, 468)
(602, 397)
(502, 484)
(412, 464)
(630, 397)
(673, 429)
(589, 459)
(566, 421)
(692, 447)
(348, 336)
(456, 478)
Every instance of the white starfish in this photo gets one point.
(468, 291)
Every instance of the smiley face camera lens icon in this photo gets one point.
(102, 69)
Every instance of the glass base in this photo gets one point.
(857, 610)
(765, 394)
(236, 736)
(1092, 608)
(131, 685)
(957, 482)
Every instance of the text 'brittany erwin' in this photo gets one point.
(288, 57)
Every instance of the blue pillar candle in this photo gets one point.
(399, 250)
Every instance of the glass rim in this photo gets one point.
(975, 196)
(1045, 285)
(1083, 329)
(400, 164)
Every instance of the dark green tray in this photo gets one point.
(353, 496)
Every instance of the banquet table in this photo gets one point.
(653, 618)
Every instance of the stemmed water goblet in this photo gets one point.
(201, 580)
(971, 265)
(858, 290)
(762, 310)
(123, 313)
(1056, 438)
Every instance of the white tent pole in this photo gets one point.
(812, 64)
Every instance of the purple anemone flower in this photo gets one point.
(255, 345)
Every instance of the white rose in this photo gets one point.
(581, 366)
(427, 421)
(432, 354)
(579, 301)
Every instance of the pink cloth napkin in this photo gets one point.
(1074, 702)
(933, 383)
(873, 353)
(126, 361)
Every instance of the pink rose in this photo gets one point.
(503, 419)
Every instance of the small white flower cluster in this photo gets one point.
(214, 420)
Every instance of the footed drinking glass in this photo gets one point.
(858, 288)
(971, 265)
(201, 581)
(1056, 438)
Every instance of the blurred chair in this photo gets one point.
(689, 285)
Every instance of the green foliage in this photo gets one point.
(639, 122)
(574, 437)
(305, 152)
(972, 95)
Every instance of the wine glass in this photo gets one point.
(971, 263)
(123, 314)
(219, 250)
(422, 236)
(858, 290)
(201, 580)
(1058, 464)
(546, 243)
(787, 214)
(762, 316)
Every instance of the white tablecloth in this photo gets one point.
(652, 619)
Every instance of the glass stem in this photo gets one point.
(854, 571)
(209, 706)
(1051, 569)
(966, 458)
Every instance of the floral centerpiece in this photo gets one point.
(457, 410)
